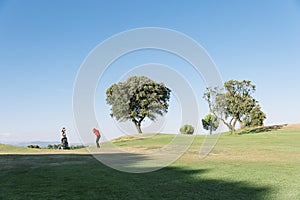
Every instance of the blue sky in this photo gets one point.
(43, 44)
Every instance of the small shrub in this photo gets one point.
(59, 146)
(187, 129)
(33, 146)
(78, 147)
(53, 146)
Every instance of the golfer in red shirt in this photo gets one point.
(97, 133)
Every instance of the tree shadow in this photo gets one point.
(261, 129)
(73, 176)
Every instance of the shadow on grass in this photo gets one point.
(261, 129)
(66, 176)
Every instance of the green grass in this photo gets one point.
(10, 148)
(253, 166)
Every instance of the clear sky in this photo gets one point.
(43, 44)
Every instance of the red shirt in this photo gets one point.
(96, 132)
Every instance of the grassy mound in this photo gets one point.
(11, 148)
(258, 166)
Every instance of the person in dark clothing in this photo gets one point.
(64, 140)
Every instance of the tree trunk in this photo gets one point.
(227, 124)
(233, 126)
(241, 124)
(138, 127)
(233, 130)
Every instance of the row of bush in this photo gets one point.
(55, 146)
(58, 146)
(33, 146)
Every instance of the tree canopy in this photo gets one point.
(210, 122)
(187, 129)
(235, 104)
(137, 98)
(255, 118)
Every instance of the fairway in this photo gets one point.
(253, 166)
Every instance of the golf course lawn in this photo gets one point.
(253, 166)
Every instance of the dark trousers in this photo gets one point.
(97, 141)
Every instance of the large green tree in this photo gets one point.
(235, 104)
(138, 98)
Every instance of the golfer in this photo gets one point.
(97, 133)
(63, 132)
